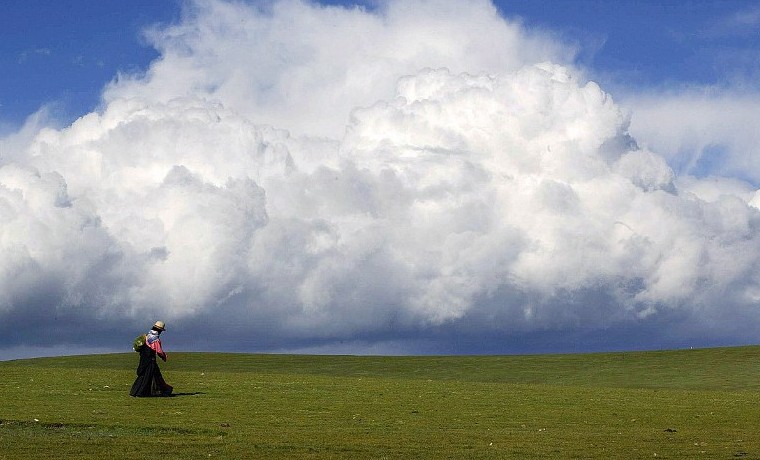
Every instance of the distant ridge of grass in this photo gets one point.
(705, 368)
(685, 404)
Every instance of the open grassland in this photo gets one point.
(689, 404)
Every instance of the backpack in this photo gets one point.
(138, 343)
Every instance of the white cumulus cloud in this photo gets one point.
(298, 177)
(701, 131)
(304, 66)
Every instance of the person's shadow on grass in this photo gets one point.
(195, 393)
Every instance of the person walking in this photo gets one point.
(149, 380)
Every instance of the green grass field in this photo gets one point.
(689, 404)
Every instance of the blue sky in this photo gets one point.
(407, 176)
(62, 53)
(648, 42)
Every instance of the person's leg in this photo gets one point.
(165, 388)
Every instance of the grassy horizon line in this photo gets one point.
(688, 403)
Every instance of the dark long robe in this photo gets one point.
(149, 380)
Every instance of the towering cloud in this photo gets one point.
(304, 67)
(419, 178)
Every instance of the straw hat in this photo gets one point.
(160, 326)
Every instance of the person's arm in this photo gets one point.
(160, 351)
(156, 346)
